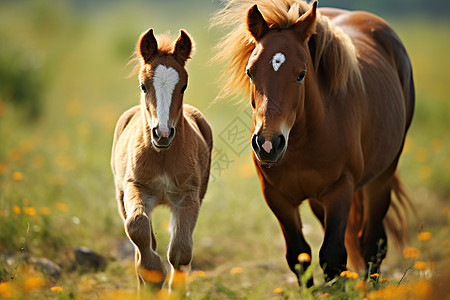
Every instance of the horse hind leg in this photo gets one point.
(373, 240)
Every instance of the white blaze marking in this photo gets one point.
(277, 60)
(164, 81)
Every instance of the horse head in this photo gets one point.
(163, 80)
(278, 70)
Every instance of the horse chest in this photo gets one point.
(166, 190)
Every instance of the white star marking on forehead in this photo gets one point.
(277, 60)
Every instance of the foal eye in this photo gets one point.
(248, 74)
(143, 88)
(301, 76)
(183, 88)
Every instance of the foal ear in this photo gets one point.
(183, 47)
(306, 24)
(256, 23)
(147, 45)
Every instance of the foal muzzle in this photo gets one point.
(162, 138)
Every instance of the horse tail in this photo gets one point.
(396, 219)
(395, 222)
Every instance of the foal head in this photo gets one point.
(277, 69)
(163, 80)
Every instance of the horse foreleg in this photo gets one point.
(336, 203)
(149, 267)
(182, 226)
(288, 216)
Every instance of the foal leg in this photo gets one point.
(182, 226)
(288, 216)
(139, 230)
(337, 203)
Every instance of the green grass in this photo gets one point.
(57, 190)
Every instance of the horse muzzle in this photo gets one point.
(162, 138)
(269, 150)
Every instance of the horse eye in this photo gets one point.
(183, 88)
(143, 88)
(248, 74)
(301, 76)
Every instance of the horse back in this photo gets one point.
(122, 123)
(201, 125)
(199, 122)
(379, 45)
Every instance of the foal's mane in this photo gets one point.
(335, 57)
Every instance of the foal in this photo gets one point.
(161, 155)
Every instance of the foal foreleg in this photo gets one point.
(149, 267)
(182, 226)
(336, 203)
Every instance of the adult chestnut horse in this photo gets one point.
(161, 156)
(333, 96)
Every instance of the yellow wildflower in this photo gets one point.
(56, 289)
(349, 274)
(16, 210)
(411, 252)
(152, 276)
(420, 265)
(33, 283)
(344, 273)
(17, 176)
(236, 270)
(424, 236)
(304, 257)
(178, 276)
(375, 275)
(29, 211)
(384, 280)
(277, 290)
(6, 289)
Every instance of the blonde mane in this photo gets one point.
(335, 57)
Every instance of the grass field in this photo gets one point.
(63, 73)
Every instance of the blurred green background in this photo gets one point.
(63, 85)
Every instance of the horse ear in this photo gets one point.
(256, 23)
(147, 45)
(183, 47)
(306, 24)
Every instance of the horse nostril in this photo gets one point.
(255, 145)
(282, 143)
(155, 133)
(171, 133)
